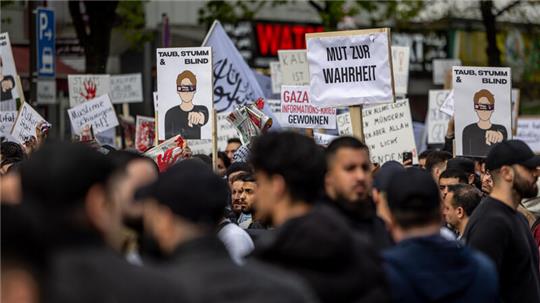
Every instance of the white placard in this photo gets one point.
(400, 66)
(276, 76)
(344, 124)
(274, 104)
(515, 107)
(448, 104)
(388, 131)
(294, 67)
(7, 119)
(323, 139)
(98, 112)
(483, 101)
(87, 87)
(350, 67)
(436, 121)
(225, 131)
(144, 133)
(107, 137)
(26, 123)
(441, 67)
(46, 91)
(528, 130)
(297, 111)
(126, 88)
(8, 90)
(185, 92)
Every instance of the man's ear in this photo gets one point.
(279, 187)
(96, 208)
(471, 179)
(460, 212)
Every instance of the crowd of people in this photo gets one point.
(279, 220)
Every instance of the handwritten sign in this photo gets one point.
(447, 106)
(388, 131)
(483, 101)
(441, 67)
(9, 71)
(294, 67)
(185, 92)
(437, 121)
(99, 113)
(144, 133)
(26, 123)
(297, 111)
(276, 76)
(87, 87)
(344, 124)
(323, 139)
(400, 66)
(126, 88)
(7, 119)
(350, 67)
(528, 130)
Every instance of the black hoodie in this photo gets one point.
(321, 248)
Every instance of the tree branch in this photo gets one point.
(507, 8)
(78, 23)
(316, 5)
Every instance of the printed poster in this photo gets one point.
(297, 111)
(144, 133)
(8, 71)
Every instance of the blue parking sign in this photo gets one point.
(46, 40)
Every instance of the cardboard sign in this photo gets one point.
(225, 131)
(400, 65)
(344, 125)
(528, 130)
(323, 139)
(277, 77)
(483, 101)
(388, 132)
(436, 121)
(7, 119)
(98, 112)
(9, 72)
(87, 87)
(441, 67)
(350, 67)
(126, 88)
(297, 111)
(185, 92)
(515, 108)
(448, 105)
(144, 133)
(26, 123)
(294, 67)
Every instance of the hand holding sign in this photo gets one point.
(493, 137)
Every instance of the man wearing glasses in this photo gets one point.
(480, 136)
(186, 119)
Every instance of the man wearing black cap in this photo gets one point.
(70, 186)
(348, 185)
(380, 188)
(182, 210)
(498, 230)
(423, 266)
(311, 241)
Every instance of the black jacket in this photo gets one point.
(205, 269)
(321, 248)
(82, 268)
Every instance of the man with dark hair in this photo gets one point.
(423, 266)
(465, 165)
(499, 230)
(312, 241)
(72, 186)
(436, 163)
(248, 200)
(422, 158)
(450, 177)
(181, 215)
(380, 188)
(10, 153)
(348, 186)
(459, 204)
(233, 145)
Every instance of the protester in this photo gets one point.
(10, 153)
(380, 188)
(422, 157)
(487, 183)
(237, 241)
(82, 225)
(181, 215)
(436, 163)
(223, 163)
(459, 204)
(423, 266)
(311, 241)
(348, 186)
(465, 165)
(233, 145)
(451, 176)
(247, 200)
(235, 169)
(236, 198)
(502, 233)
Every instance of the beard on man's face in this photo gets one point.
(525, 188)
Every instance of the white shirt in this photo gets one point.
(237, 241)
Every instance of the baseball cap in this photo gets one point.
(191, 190)
(511, 152)
(413, 189)
(385, 174)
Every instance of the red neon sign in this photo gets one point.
(274, 36)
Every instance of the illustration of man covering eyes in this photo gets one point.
(480, 136)
(186, 119)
